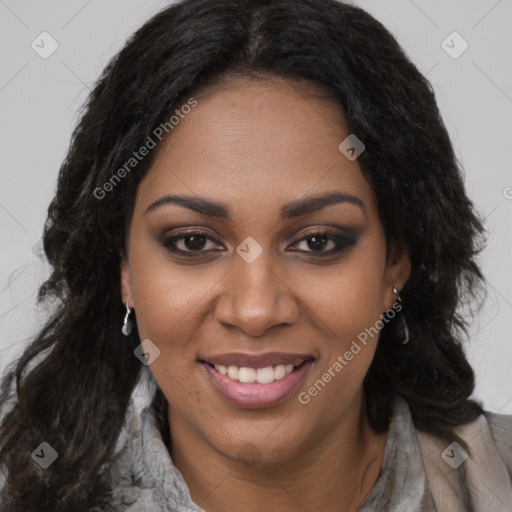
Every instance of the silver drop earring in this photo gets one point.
(404, 322)
(127, 323)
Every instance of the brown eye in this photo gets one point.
(318, 241)
(188, 242)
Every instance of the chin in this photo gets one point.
(260, 450)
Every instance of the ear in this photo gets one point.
(398, 270)
(126, 285)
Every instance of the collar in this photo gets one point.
(143, 476)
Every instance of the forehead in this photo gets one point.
(254, 141)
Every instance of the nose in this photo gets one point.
(255, 298)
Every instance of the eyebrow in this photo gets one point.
(290, 210)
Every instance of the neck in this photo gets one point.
(333, 473)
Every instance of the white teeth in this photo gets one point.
(249, 375)
(280, 371)
(233, 372)
(265, 375)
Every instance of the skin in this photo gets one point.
(255, 146)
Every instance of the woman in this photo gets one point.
(260, 245)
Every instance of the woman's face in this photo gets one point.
(240, 278)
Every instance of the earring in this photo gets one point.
(406, 332)
(405, 328)
(127, 323)
(398, 298)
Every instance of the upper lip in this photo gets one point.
(256, 360)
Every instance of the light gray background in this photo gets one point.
(39, 100)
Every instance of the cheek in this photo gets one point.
(168, 298)
(169, 307)
(348, 298)
(347, 308)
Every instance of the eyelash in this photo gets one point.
(342, 243)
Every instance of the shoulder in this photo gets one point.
(500, 426)
(477, 479)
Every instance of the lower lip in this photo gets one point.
(255, 395)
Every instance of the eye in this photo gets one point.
(190, 242)
(319, 241)
(195, 243)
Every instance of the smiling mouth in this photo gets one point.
(255, 382)
(249, 375)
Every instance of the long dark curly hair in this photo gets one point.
(71, 386)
